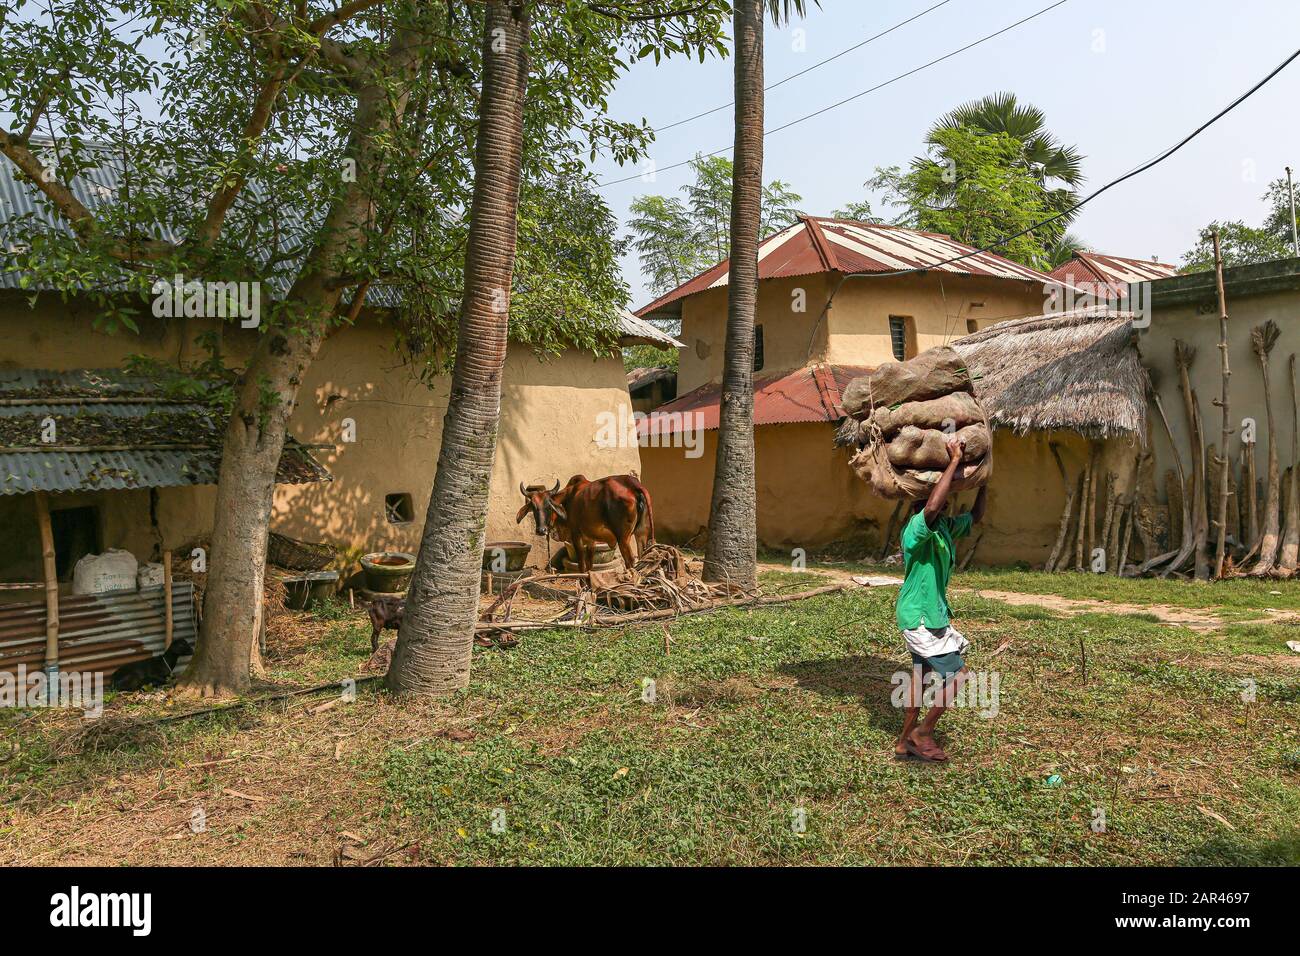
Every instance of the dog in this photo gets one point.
(153, 672)
(385, 615)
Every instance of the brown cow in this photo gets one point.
(611, 510)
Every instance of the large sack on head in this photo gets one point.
(872, 465)
(933, 373)
(950, 412)
(925, 448)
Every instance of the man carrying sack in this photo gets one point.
(922, 610)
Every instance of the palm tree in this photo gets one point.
(435, 640)
(732, 551)
(1058, 168)
(1063, 250)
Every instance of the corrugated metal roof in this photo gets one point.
(113, 431)
(99, 186)
(819, 244)
(1114, 272)
(639, 331)
(808, 394)
(97, 632)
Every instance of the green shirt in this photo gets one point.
(927, 565)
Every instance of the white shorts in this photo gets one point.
(933, 641)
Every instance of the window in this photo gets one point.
(758, 348)
(398, 508)
(902, 336)
(972, 326)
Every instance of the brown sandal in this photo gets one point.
(932, 753)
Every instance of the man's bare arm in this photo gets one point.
(938, 499)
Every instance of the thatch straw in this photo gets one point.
(1074, 371)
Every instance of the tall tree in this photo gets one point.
(971, 186)
(1057, 168)
(435, 641)
(991, 168)
(731, 554)
(677, 239)
(432, 655)
(315, 148)
(1242, 244)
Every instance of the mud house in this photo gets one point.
(369, 421)
(836, 298)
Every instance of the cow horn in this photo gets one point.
(522, 490)
(557, 486)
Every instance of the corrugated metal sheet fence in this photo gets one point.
(97, 632)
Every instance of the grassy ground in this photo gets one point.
(768, 741)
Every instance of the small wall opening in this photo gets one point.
(398, 508)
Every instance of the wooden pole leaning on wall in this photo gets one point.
(51, 575)
(168, 622)
(1222, 402)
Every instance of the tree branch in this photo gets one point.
(71, 208)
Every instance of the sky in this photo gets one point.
(1120, 79)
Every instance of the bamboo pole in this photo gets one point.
(168, 623)
(1081, 536)
(1069, 505)
(1062, 531)
(1227, 428)
(1128, 535)
(1250, 523)
(51, 580)
(1183, 549)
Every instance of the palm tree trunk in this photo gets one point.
(731, 554)
(254, 438)
(436, 638)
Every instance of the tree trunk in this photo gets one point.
(436, 638)
(1250, 520)
(1286, 564)
(731, 555)
(250, 455)
(254, 438)
(1263, 338)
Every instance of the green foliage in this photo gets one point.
(677, 239)
(175, 126)
(647, 356)
(1242, 244)
(859, 211)
(972, 187)
(991, 168)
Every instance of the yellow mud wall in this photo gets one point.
(856, 329)
(808, 497)
(1026, 495)
(940, 305)
(550, 424)
(786, 331)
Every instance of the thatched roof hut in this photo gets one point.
(1076, 371)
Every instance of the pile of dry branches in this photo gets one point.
(662, 585)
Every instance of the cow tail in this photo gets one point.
(645, 513)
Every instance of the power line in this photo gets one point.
(809, 69)
(849, 99)
(1159, 158)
